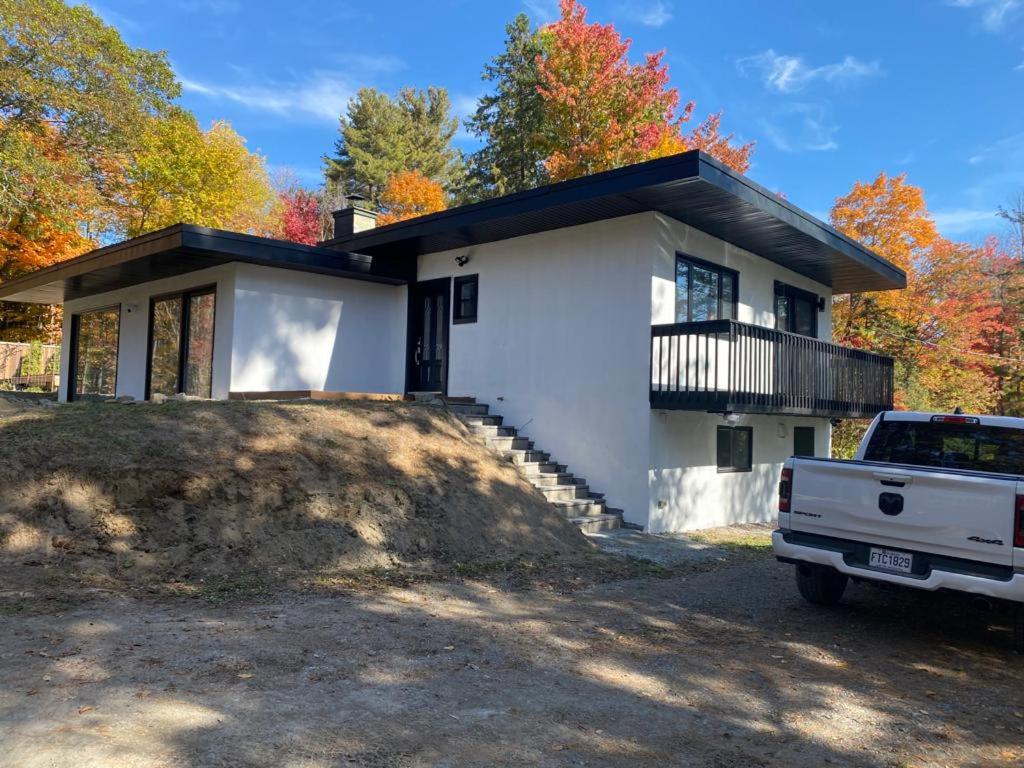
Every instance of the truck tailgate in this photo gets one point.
(948, 512)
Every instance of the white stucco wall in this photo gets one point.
(686, 489)
(132, 343)
(296, 331)
(560, 346)
(275, 329)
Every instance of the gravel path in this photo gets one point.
(720, 668)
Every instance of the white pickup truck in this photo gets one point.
(931, 501)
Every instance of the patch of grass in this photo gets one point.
(753, 542)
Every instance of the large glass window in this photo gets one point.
(704, 291)
(796, 310)
(93, 360)
(181, 344)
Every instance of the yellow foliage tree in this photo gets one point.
(181, 173)
(409, 194)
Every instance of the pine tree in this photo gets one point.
(381, 137)
(511, 120)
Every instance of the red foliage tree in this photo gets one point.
(300, 216)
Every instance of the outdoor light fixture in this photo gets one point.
(462, 260)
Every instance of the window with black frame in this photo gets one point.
(704, 291)
(181, 343)
(735, 449)
(796, 310)
(93, 362)
(467, 292)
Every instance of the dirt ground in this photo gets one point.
(189, 490)
(713, 660)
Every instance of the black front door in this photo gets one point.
(428, 336)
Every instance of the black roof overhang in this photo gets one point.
(690, 187)
(177, 250)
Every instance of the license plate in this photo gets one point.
(890, 560)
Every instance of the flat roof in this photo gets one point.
(174, 251)
(691, 187)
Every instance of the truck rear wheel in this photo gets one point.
(820, 584)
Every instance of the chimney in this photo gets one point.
(354, 217)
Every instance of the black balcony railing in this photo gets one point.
(724, 366)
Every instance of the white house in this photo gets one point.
(663, 328)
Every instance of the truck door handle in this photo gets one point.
(893, 481)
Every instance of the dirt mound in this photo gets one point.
(182, 490)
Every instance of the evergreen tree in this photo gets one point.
(381, 137)
(511, 120)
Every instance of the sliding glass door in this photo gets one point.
(93, 362)
(181, 344)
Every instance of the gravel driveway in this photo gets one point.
(722, 667)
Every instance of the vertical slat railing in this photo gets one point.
(720, 365)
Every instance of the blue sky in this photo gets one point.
(831, 92)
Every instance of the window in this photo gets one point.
(796, 310)
(181, 344)
(704, 291)
(93, 362)
(466, 294)
(956, 446)
(735, 449)
(803, 441)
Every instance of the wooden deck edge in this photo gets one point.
(314, 394)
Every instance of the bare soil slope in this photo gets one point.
(184, 490)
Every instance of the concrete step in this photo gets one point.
(532, 469)
(468, 409)
(529, 456)
(510, 443)
(544, 479)
(564, 492)
(580, 507)
(492, 430)
(597, 523)
(480, 421)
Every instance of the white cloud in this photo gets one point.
(788, 74)
(959, 221)
(994, 13)
(543, 11)
(651, 14)
(322, 97)
(800, 128)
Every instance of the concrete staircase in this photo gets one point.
(571, 496)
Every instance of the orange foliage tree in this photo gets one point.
(408, 194)
(939, 330)
(603, 112)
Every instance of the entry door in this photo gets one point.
(428, 336)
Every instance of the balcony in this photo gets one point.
(723, 366)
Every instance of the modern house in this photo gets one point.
(662, 328)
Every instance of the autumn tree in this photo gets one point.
(707, 137)
(939, 329)
(300, 216)
(512, 119)
(181, 173)
(408, 194)
(603, 111)
(72, 98)
(381, 137)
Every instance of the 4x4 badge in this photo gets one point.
(997, 542)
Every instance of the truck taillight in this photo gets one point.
(1018, 522)
(786, 489)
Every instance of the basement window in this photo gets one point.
(466, 294)
(735, 449)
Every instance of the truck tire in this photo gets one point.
(1018, 627)
(819, 584)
